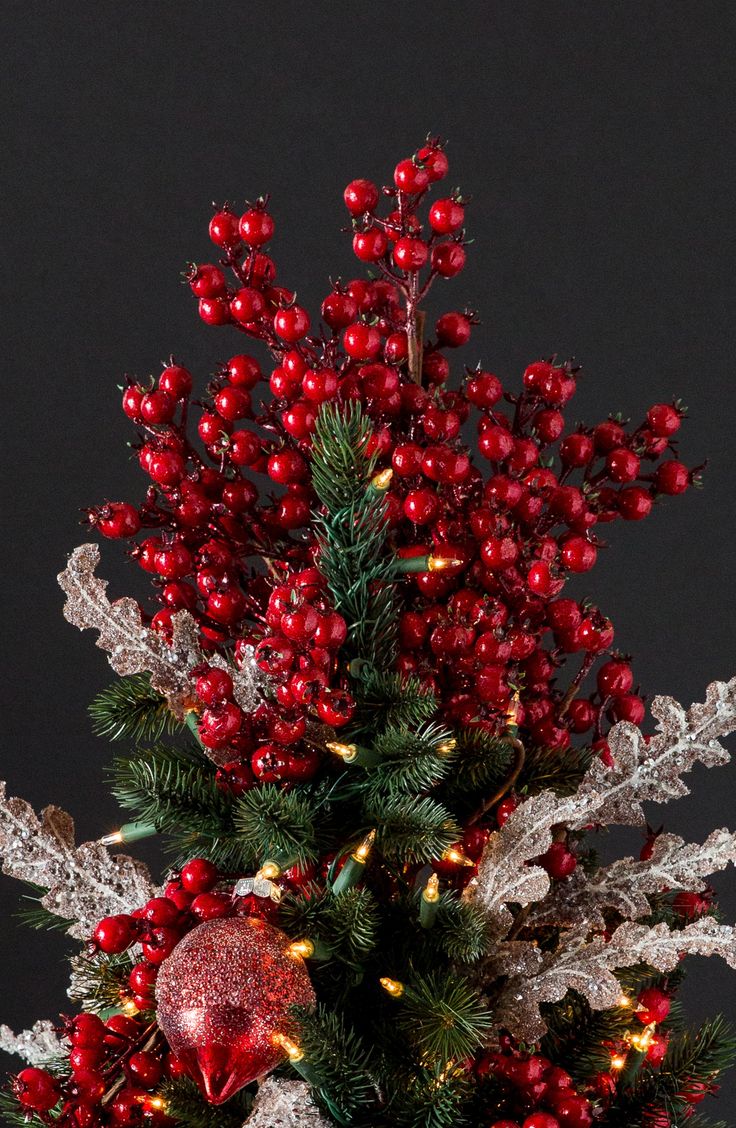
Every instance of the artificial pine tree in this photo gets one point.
(375, 736)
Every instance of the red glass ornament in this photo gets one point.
(222, 994)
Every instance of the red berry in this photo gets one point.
(291, 323)
(614, 677)
(446, 216)
(224, 229)
(247, 305)
(453, 329)
(578, 554)
(664, 420)
(634, 503)
(214, 687)
(144, 1068)
(335, 707)
(421, 506)
(157, 407)
(215, 311)
(207, 281)
(671, 477)
(370, 245)
(176, 381)
(541, 1120)
(115, 933)
(361, 196)
(448, 259)
(410, 177)
(505, 809)
(573, 1111)
(198, 875)
(577, 449)
(36, 1089)
(656, 1004)
(627, 707)
(434, 160)
(410, 254)
(243, 371)
(558, 861)
(118, 519)
(361, 342)
(256, 227)
(622, 465)
(87, 1031)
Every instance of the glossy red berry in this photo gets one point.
(214, 687)
(118, 519)
(671, 477)
(448, 259)
(361, 341)
(664, 420)
(176, 381)
(578, 554)
(224, 229)
(370, 245)
(622, 465)
(656, 1005)
(36, 1089)
(410, 177)
(291, 323)
(614, 677)
(410, 253)
(361, 196)
(453, 329)
(559, 861)
(434, 160)
(634, 503)
(144, 1068)
(114, 934)
(256, 227)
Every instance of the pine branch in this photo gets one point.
(410, 761)
(387, 699)
(427, 1098)
(412, 830)
(460, 929)
(481, 763)
(351, 532)
(130, 709)
(443, 1017)
(98, 982)
(276, 825)
(173, 789)
(339, 1063)
(346, 923)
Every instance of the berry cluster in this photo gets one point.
(537, 1093)
(492, 630)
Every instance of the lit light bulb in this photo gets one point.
(456, 857)
(643, 1041)
(128, 1007)
(512, 713)
(114, 839)
(292, 1051)
(447, 747)
(431, 891)
(269, 871)
(392, 986)
(439, 563)
(382, 480)
(362, 852)
(303, 948)
(618, 1061)
(623, 1001)
(346, 752)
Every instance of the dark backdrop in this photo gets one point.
(597, 142)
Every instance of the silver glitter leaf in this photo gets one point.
(83, 883)
(285, 1104)
(588, 965)
(132, 647)
(652, 769)
(37, 1046)
(643, 770)
(624, 885)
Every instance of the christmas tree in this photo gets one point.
(376, 738)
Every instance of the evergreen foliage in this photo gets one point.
(129, 709)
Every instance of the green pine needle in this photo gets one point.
(130, 709)
(277, 825)
(412, 830)
(443, 1017)
(99, 981)
(339, 1062)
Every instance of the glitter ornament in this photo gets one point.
(222, 994)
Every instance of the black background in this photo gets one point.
(597, 142)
